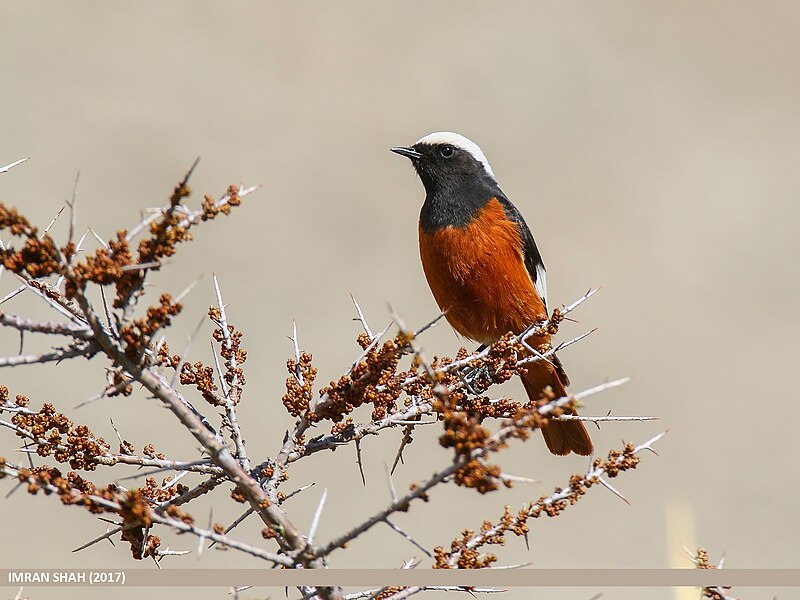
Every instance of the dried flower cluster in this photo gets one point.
(38, 257)
(106, 267)
(464, 553)
(202, 376)
(373, 380)
(56, 435)
(300, 386)
(138, 335)
(391, 384)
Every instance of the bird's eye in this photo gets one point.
(447, 151)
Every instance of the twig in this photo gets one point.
(192, 217)
(109, 389)
(111, 459)
(85, 350)
(233, 394)
(272, 515)
(560, 495)
(57, 301)
(78, 331)
(180, 526)
(602, 419)
(278, 559)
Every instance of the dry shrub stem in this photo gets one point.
(391, 383)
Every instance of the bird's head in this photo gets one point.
(446, 158)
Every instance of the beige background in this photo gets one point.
(652, 148)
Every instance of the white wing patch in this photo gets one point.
(459, 141)
(541, 283)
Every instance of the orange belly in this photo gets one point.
(478, 277)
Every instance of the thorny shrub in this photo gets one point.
(390, 380)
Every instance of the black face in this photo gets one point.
(443, 165)
(457, 185)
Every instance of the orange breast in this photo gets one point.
(477, 274)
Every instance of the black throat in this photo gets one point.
(454, 201)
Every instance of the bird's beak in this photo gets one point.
(407, 152)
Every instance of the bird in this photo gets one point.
(483, 266)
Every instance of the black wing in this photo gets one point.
(535, 267)
(533, 260)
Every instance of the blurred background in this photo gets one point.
(652, 148)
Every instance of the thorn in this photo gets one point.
(430, 324)
(361, 318)
(403, 443)
(106, 535)
(612, 489)
(360, 464)
(509, 567)
(294, 493)
(392, 491)
(315, 522)
(408, 537)
(241, 518)
(52, 222)
(122, 447)
(14, 489)
(188, 289)
(98, 238)
(10, 166)
(517, 478)
(601, 388)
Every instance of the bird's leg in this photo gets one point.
(464, 376)
(469, 375)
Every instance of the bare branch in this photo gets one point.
(181, 526)
(85, 350)
(79, 331)
(220, 454)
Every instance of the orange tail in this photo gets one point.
(561, 437)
